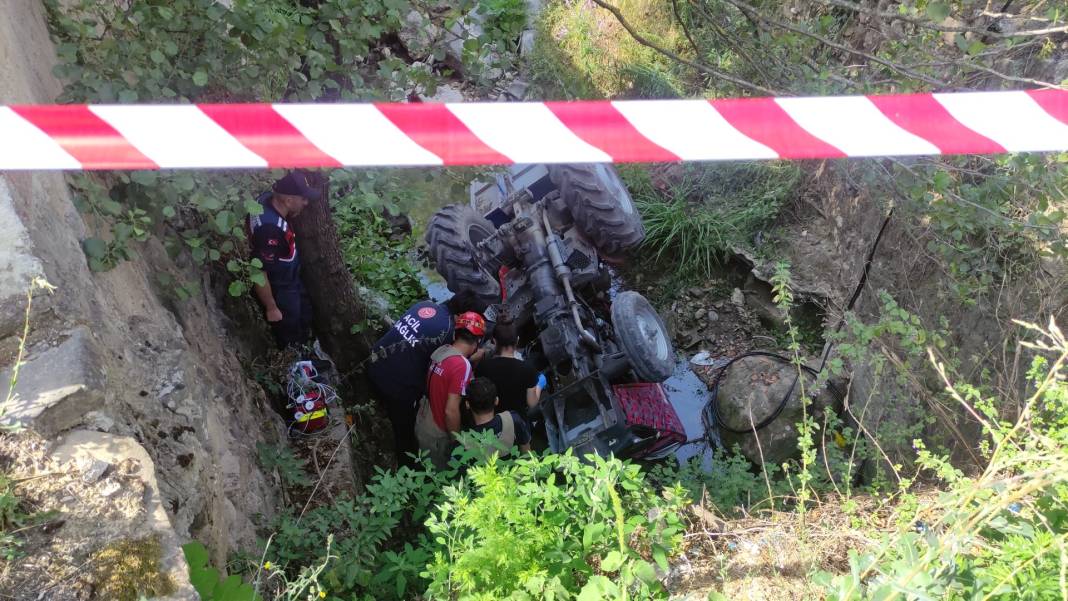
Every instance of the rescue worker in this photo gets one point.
(286, 305)
(510, 429)
(450, 371)
(398, 368)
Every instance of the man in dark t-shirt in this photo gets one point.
(510, 429)
(516, 382)
(284, 299)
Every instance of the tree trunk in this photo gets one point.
(337, 308)
(330, 286)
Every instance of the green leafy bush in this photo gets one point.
(505, 19)
(729, 482)
(377, 257)
(203, 51)
(485, 529)
(552, 523)
(209, 583)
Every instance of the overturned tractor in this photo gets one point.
(535, 246)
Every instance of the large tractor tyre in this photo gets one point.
(452, 235)
(601, 207)
(643, 336)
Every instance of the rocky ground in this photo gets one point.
(90, 521)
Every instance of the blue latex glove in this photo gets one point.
(542, 382)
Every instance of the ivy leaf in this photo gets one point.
(597, 588)
(612, 561)
(224, 220)
(95, 248)
(185, 182)
(111, 207)
(157, 56)
(195, 554)
(591, 533)
(214, 255)
(204, 581)
(144, 178)
(226, 589)
(259, 278)
(210, 203)
(199, 254)
(237, 288)
(232, 266)
(976, 47)
(127, 96)
(644, 571)
(168, 211)
(937, 11)
(253, 208)
(660, 557)
(961, 42)
(200, 78)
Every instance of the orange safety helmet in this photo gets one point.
(472, 322)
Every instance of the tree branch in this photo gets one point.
(685, 29)
(675, 57)
(926, 24)
(1005, 76)
(746, 8)
(736, 44)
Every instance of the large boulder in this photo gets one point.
(750, 391)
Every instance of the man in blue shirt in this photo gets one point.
(400, 359)
(285, 302)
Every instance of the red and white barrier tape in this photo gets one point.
(334, 135)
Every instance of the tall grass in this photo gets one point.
(1002, 534)
(697, 220)
(583, 52)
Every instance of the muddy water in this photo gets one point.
(689, 395)
(435, 286)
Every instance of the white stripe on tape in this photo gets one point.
(26, 147)
(1011, 119)
(356, 134)
(178, 136)
(691, 129)
(855, 126)
(526, 133)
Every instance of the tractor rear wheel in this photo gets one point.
(601, 207)
(452, 235)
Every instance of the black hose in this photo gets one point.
(778, 409)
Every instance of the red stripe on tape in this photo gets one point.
(435, 128)
(86, 137)
(1054, 102)
(923, 116)
(766, 122)
(263, 131)
(602, 125)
